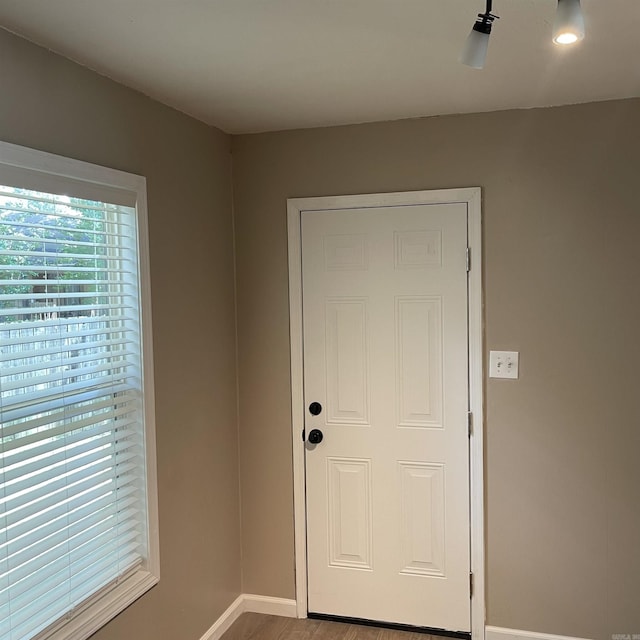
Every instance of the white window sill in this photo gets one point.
(105, 607)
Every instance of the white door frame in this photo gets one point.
(472, 198)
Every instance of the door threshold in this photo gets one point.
(463, 635)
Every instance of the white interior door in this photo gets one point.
(386, 357)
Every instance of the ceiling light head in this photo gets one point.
(568, 27)
(475, 49)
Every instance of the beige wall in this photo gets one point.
(561, 233)
(51, 104)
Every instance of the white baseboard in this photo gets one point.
(233, 612)
(247, 602)
(271, 606)
(498, 633)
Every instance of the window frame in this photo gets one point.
(105, 604)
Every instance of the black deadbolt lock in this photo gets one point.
(315, 436)
(315, 408)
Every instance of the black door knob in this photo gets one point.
(315, 436)
(315, 408)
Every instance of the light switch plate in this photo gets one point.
(503, 364)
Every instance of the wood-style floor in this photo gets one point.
(255, 626)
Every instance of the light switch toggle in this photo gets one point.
(503, 364)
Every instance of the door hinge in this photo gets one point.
(470, 423)
(468, 258)
(471, 585)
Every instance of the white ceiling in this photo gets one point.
(260, 65)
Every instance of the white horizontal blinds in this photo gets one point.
(65, 185)
(72, 497)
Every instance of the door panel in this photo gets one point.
(422, 503)
(349, 513)
(419, 361)
(385, 354)
(346, 361)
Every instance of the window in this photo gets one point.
(78, 513)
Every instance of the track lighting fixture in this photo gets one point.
(569, 23)
(568, 28)
(474, 53)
